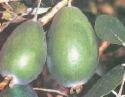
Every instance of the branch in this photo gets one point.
(51, 90)
(46, 18)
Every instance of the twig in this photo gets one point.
(45, 19)
(51, 90)
(69, 3)
(8, 23)
(36, 15)
(32, 11)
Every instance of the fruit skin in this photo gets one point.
(24, 53)
(19, 91)
(72, 48)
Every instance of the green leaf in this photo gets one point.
(109, 28)
(107, 83)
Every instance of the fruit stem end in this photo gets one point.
(6, 82)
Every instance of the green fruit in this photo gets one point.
(24, 53)
(19, 91)
(72, 48)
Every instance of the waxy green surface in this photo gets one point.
(72, 48)
(23, 55)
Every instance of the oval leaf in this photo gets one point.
(107, 83)
(109, 28)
